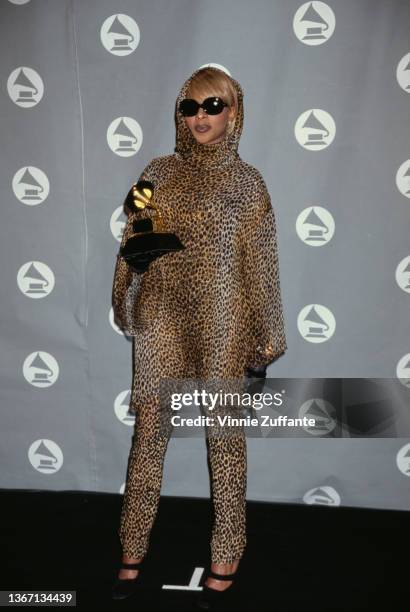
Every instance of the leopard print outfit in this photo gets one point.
(208, 312)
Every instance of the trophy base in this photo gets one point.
(140, 250)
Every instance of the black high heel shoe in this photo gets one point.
(125, 587)
(211, 599)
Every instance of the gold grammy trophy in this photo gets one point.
(150, 239)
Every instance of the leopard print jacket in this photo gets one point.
(223, 289)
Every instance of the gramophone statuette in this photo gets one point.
(150, 239)
(142, 195)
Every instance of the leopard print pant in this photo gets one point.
(228, 461)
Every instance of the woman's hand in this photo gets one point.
(255, 381)
(256, 372)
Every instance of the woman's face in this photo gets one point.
(216, 124)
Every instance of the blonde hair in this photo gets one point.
(208, 82)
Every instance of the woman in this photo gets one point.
(211, 310)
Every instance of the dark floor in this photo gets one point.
(298, 557)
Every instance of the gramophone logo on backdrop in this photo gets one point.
(403, 73)
(124, 136)
(403, 274)
(314, 23)
(121, 408)
(324, 414)
(45, 456)
(117, 223)
(35, 279)
(403, 178)
(30, 185)
(403, 370)
(315, 129)
(316, 323)
(315, 226)
(120, 34)
(40, 369)
(403, 459)
(25, 87)
(322, 496)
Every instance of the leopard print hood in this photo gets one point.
(210, 155)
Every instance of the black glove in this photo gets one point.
(255, 382)
(256, 372)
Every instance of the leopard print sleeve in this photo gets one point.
(261, 275)
(126, 281)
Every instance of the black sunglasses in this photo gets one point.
(212, 106)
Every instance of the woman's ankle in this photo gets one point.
(125, 573)
(225, 567)
(127, 559)
(222, 568)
